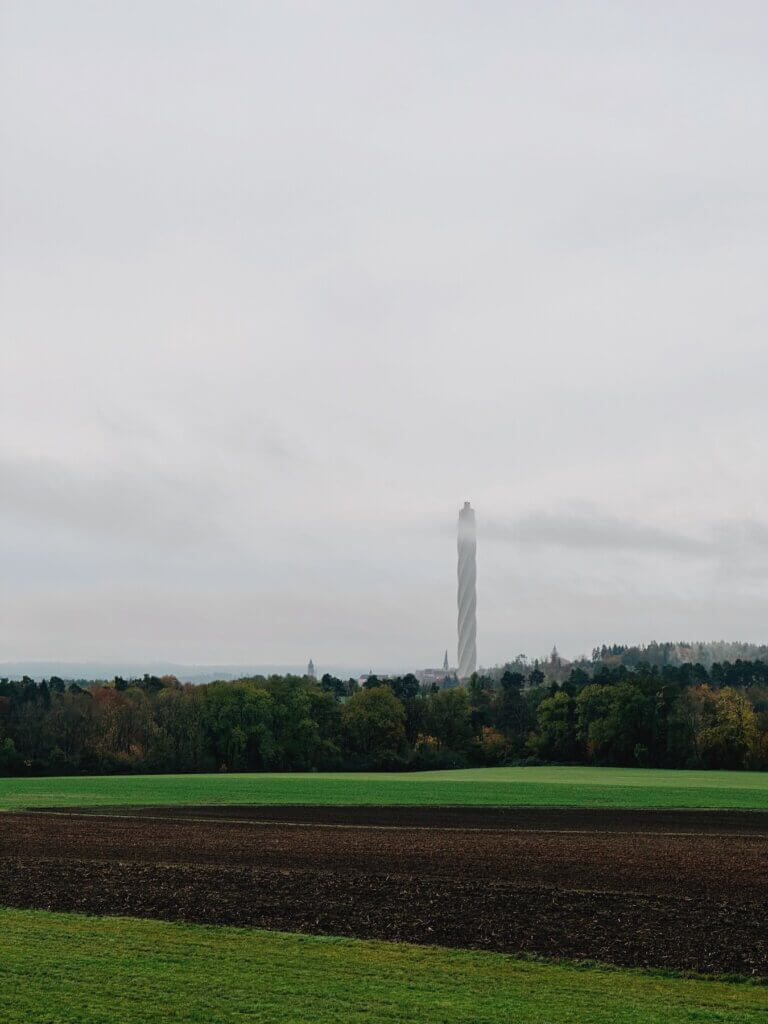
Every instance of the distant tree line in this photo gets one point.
(668, 716)
(661, 654)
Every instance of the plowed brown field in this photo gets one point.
(538, 882)
(547, 819)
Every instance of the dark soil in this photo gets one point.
(697, 902)
(672, 864)
(570, 819)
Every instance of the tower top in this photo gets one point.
(466, 518)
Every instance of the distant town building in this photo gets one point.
(363, 679)
(437, 676)
(442, 677)
(311, 669)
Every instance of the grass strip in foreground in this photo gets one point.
(73, 969)
(550, 786)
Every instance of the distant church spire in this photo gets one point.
(446, 666)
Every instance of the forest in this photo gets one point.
(669, 716)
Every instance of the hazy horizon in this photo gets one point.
(282, 286)
(110, 667)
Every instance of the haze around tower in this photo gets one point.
(467, 592)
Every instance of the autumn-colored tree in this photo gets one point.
(650, 713)
(731, 739)
(493, 746)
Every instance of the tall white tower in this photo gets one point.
(467, 572)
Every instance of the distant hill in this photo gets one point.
(95, 670)
(705, 653)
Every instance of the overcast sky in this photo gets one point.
(283, 284)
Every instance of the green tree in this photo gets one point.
(239, 720)
(513, 713)
(555, 735)
(8, 756)
(612, 722)
(374, 721)
(447, 718)
(480, 692)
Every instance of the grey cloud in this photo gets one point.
(282, 285)
(587, 532)
(738, 547)
(742, 548)
(154, 508)
(253, 435)
(744, 534)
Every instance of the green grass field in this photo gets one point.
(549, 786)
(57, 968)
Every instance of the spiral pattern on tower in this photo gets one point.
(467, 598)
